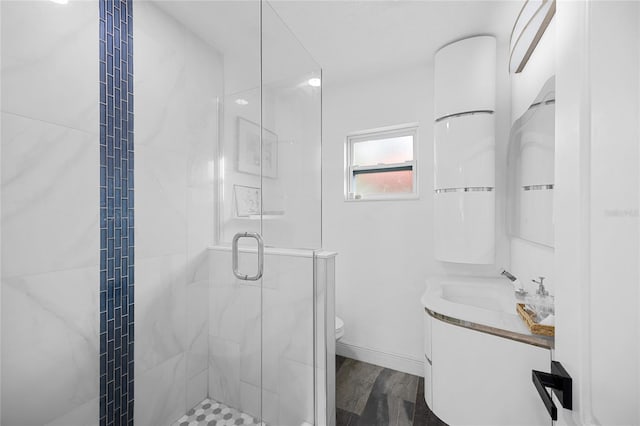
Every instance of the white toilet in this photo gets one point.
(339, 328)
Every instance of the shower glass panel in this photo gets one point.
(291, 224)
(223, 313)
(291, 109)
(262, 343)
(235, 376)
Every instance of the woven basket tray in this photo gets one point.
(527, 316)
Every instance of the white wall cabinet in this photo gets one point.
(464, 151)
(465, 227)
(465, 75)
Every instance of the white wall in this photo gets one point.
(385, 248)
(50, 228)
(178, 81)
(597, 169)
(530, 260)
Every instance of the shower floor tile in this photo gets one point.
(213, 413)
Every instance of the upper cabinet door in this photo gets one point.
(464, 152)
(465, 76)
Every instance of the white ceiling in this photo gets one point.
(352, 38)
(347, 38)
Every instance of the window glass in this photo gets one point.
(381, 164)
(398, 181)
(383, 151)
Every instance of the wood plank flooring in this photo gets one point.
(369, 395)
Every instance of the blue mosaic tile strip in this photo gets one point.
(116, 213)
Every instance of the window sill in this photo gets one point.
(258, 217)
(409, 197)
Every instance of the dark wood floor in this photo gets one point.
(369, 395)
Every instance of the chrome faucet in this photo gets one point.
(541, 290)
(521, 292)
(508, 275)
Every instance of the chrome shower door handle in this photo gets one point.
(234, 254)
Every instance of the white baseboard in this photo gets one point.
(384, 359)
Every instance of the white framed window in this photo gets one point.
(381, 164)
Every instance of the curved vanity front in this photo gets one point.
(479, 354)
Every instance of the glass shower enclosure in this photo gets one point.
(121, 300)
(250, 98)
(263, 311)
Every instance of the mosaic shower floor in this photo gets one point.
(213, 413)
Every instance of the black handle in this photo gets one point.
(542, 380)
(560, 382)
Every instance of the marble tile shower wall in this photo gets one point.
(235, 375)
(178, 80)
(50, 216)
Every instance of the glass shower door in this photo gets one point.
(235, 297)
(291, 223)
(263, 292)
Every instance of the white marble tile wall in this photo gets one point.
(325, 338)
(50, 204)
(161, 392)
(239, 368)
(330, 353)
(178, 81)
(161, 314)
(83, 415)
(293, 115)
(49, 213)
(50, 62)
(224, 371)
(321, 344)
(161, 197)
(50, 345)
(50, 197)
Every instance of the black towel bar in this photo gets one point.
(560, 382)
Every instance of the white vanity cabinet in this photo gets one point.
(474, 378)
(428, 394)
